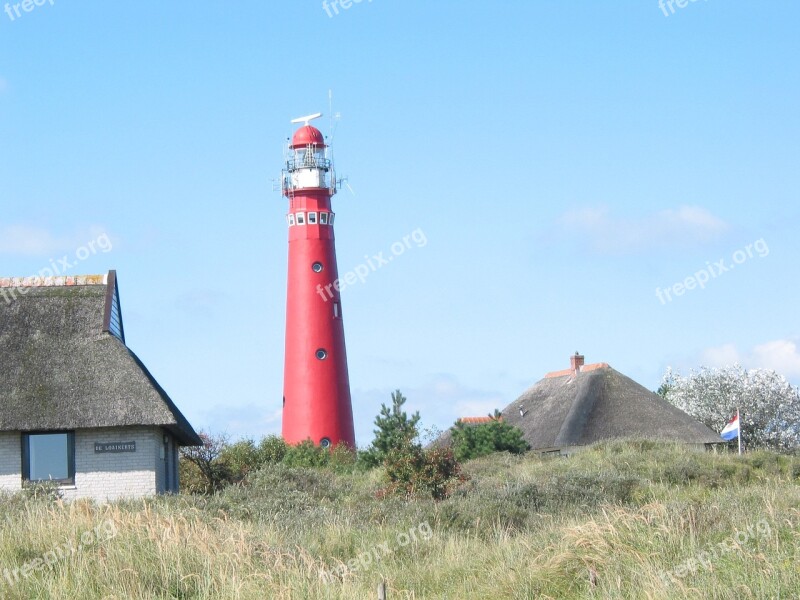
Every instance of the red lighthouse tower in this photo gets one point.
(316, 386)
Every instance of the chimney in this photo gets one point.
(576, 362)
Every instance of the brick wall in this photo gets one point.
(111, 476)
(10, 461)
(105, 476)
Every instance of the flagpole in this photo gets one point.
(739, 427)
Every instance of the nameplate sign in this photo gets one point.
(114, 447)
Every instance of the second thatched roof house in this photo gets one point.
(586, 404)
(77, 406)
(591, 403)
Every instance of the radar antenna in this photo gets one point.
(307, 119)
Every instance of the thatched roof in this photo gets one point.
(599, 403)
(593, 403)
(64, 363)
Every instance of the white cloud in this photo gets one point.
(721, 356)
(781, 356)
(607, 233)
(25, 240)
(250, 421)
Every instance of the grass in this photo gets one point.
(611, 522)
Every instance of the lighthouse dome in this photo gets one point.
(308, 135)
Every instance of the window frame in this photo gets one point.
(290, 219)
(311, 218)
(26, 457)
(323, 218)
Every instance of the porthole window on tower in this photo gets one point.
(323, 218)
(325, 443)
(301, 218)
(312, 218)
(322, 354)
(317, 267)
(290, 218)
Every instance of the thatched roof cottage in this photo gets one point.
(77, 406)
(585, 404)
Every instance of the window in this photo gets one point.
(49, 456)
(290, 218)
(301, 218)
(325, 443)
(330, 219)
(322, 354)
(323, 218)
(317, 267)
(312, 218)
(336, 310)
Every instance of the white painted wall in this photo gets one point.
(104, 476)
(10, 461)
(113, 476)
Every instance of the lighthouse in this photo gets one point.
(316, 385)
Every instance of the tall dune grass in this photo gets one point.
(622, 520)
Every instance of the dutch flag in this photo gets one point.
(731, 430)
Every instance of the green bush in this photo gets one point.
(395, 429)
(271, 450)
(306, 454)
(412, 469)
(473, 441)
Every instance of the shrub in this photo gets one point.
(306, 454)
(208, 474)
(395, 429)
(411, 470)
(271, 450)
(46, 491)
(239, 460)
(473, 441)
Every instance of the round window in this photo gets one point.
(322, 354)
(317, 267)
(325, 443)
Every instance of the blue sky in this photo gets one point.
(563, 160)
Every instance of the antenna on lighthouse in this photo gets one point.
(307, 119)
(333, 118)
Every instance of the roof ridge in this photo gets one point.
(479, 419)
(583, 369)
(54, 281)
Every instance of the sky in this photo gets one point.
(615, 178)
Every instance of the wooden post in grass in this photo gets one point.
(382, 591)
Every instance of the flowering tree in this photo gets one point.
(769, 405)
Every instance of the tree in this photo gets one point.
(472, 441)
(395, 429)
(410, 469)
(769, 405)
(212, 472)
